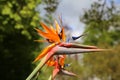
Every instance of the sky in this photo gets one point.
(71, 10)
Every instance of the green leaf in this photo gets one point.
(6, 10)
(50, 78)
(16, 17)
(26, 33)
(9, 4)
(37, 69)
(20, 26)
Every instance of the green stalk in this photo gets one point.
(50, 78)
(36, 70)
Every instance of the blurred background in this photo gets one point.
(99, 19)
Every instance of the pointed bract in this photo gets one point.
(44, 52)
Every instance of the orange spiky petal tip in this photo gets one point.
(50, 33)
(44, 52)
(57, 27)
(63, 35)
(62, 61)
(51, 63)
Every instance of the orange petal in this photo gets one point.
(51, 62)
(43, 34)
(57, 27)
(47, 29)
(53, 37)
(62, 60)
(53, 30)
(44, 52)
(63, 35)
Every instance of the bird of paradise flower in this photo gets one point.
(55, 54)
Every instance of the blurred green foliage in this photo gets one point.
(103, 30)
(17, 21)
